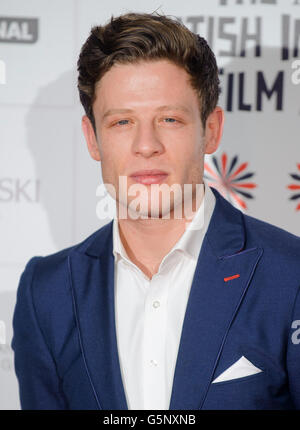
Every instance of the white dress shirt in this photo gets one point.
(149, 313)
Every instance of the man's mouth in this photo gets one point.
(148, 177)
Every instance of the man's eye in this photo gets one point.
(171, 120)
(121, 122)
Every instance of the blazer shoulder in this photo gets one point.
(273, 239)
(52, 268)
(58, 257)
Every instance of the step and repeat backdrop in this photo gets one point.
(48, 181)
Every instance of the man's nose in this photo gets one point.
(147, 141)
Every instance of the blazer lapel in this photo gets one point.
(92, 282)
(212, 304)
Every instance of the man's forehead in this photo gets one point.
(136, 69)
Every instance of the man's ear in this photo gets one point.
(90, 138)
(214, 129)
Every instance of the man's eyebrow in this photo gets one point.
(174, 107)
(114, 111)
(159, 109)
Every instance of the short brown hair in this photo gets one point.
(134, 37)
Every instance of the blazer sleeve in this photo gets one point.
(39, 383)
(293, 353)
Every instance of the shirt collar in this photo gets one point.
(191, 240)
(118, 248)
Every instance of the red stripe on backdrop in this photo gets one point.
(206, 166)
(224, 163)
(247, 185)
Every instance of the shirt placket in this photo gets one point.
(155, 320)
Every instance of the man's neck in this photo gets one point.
(147, 241)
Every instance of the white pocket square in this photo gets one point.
(239, 369)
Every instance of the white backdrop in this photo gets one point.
(47, 179)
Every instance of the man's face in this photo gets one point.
(147, 117)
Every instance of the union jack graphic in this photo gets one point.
(228, 178)
(295, 187)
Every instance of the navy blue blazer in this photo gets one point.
(64, 335)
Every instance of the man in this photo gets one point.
(159, 312)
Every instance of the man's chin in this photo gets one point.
(155, 215)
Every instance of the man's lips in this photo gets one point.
(148, 177)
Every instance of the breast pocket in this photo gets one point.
(237, 380)
(241, 368)
(266, 389)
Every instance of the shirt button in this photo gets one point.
(153, 362)
(156, 304)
